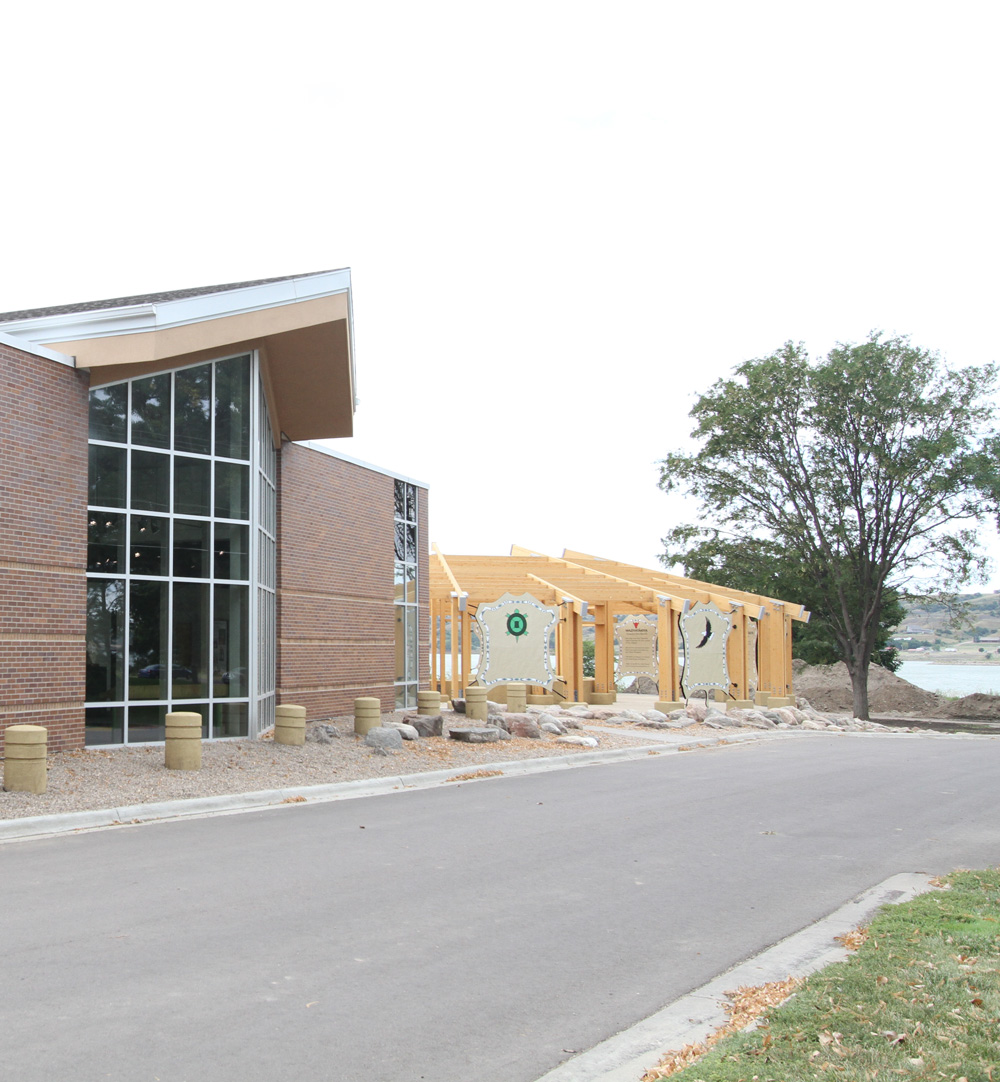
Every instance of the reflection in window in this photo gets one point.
(193, 416)
(192, 485)
(405, 579)
(149, 545)
(151, 411)
(150, 481)
(105, 637)
(108, 407)
(106, 542)
(107, 476)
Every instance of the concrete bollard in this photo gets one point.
(668, 706)
(589, 687)
(762, 698)
(290, 725)
(475, 704)
(603, 698)
(428, 703)
(367, 714)
(182, 750)
(517, 698)
(25, 751)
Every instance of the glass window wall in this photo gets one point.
(170, 528)
(405, 580)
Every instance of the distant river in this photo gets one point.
(951, 679)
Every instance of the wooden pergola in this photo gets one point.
(584, 589)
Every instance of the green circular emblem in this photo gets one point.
(517, 624)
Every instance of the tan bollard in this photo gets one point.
(475, 704)
(182, 750)
(603, 698)
(25, 751)
(517, 698)
(589, 683)
(367, 714)
(290, 725)
(668, 706)
(762, 698)
(428, 703)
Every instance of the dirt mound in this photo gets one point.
(828, 689)
(976, 705)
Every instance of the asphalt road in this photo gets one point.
(472, 933)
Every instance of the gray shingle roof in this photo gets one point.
(147, 298)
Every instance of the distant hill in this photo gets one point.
(931, 625)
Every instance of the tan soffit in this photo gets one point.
(307, 345)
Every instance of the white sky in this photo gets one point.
(564, 220)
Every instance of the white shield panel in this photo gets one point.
(515, 633)
(705, 629)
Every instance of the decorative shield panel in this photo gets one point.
(705, 629)
(515, 633)
(636, 646)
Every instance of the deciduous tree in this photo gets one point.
(861, 470)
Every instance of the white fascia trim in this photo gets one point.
(314, 445)
(38, 351)
(163, 315)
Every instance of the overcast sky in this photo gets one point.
(563, 220)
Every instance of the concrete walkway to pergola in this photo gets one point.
(590, 590)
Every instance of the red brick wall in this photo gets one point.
(43, 545)
(336, 625)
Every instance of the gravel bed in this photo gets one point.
(96, 777)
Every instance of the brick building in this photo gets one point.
(172, 536)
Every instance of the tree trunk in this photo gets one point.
(859, 690)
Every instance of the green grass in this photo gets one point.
(919, 1000)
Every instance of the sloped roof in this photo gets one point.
(145, 298)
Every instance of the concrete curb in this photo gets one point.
(72, 822)
(660, 744)
(629, 1054)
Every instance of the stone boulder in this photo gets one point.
(579, 740)
(320, 733)
(428, 725)
(407, 732)
(523, 725)
(383, 737)
(475, 735)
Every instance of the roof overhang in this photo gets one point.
(302, 327)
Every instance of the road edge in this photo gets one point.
(626, 1056)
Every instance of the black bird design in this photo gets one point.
(707, 635)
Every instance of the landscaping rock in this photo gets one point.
(322, 734)
(579, 740)
(407, 732)
(475, 736)
(458, 705)
(383, 737)
(523, 725)
(429, 726)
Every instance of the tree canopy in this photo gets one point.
(849, 475)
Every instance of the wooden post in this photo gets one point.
(455, 689)
(466, 618)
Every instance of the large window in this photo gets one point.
(405, 575)
(175, 559)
